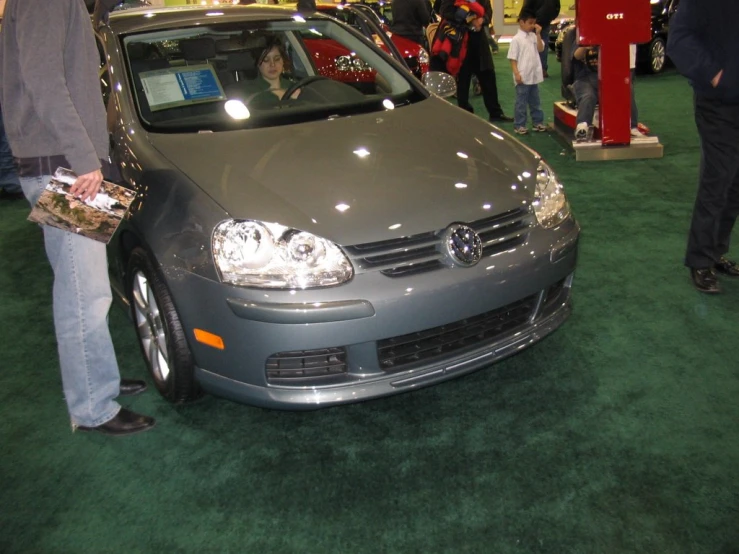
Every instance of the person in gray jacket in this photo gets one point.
(54, 116)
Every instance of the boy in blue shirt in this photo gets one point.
(527, 73)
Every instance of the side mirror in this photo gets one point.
(440, 83)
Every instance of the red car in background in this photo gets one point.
(334, 61)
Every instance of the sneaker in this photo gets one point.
(521, 130)
(581, 132)
(636, 133)
(540, 128)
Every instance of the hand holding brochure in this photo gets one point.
(96, 219)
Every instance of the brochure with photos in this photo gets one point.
(96, 219)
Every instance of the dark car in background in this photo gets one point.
(652, 56)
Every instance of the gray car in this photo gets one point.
(343, 236)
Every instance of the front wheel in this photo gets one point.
(160, 333)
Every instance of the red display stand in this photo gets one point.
(613, 26)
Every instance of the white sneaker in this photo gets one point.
(581, 132)
(636, 133)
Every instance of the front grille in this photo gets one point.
(423, 252)
(398, 353)
(306, 364)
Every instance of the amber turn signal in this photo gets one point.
(209, 339)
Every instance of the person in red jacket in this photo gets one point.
(474, 56)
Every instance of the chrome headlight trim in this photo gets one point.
(269, 255)
(550, 203)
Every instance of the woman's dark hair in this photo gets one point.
(274, 42)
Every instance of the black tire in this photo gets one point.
(161, 336)
(657, 55)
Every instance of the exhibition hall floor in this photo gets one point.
(618, 433)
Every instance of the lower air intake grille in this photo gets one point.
(306, 364)
(398, 353)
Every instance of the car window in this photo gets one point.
(221, 76)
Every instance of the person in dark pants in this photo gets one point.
(478, 61)
(410, 18)
(546, 11)
(703, 43)
(10, 185)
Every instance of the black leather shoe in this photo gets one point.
(726, 267)
(130, 387)
(705, 280)
(5, 195)
(467, 107)
(125, 422)
(501, 117)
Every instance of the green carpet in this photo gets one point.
(618, 433)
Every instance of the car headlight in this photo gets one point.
(550, 203)
(351, 63)
(269, 255)
(423, 56)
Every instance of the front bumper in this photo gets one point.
(308, 398)
(504, 304)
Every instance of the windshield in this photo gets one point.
(254, 74)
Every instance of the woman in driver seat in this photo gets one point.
(272, 62)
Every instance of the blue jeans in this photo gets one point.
(82, 297)
(8, 175)
(586, 95)
(527, 96)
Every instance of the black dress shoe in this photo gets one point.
(5, 195)
(501, 117)
(467, 107)
(125, 422)
(130, 387)
(726, 267)
(705, 280)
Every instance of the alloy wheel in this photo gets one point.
(657, 55)
(150, 326)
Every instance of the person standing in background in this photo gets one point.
(54, 116)
(10, 185)
(546, 11)
(703, 43)
(526, 66)
(410, 18)
(635, 131)
(478, 60)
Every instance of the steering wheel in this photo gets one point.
(304, 82)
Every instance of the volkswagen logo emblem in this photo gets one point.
(463, 245)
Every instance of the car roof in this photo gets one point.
(137, 20)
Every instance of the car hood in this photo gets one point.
(363, 178)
